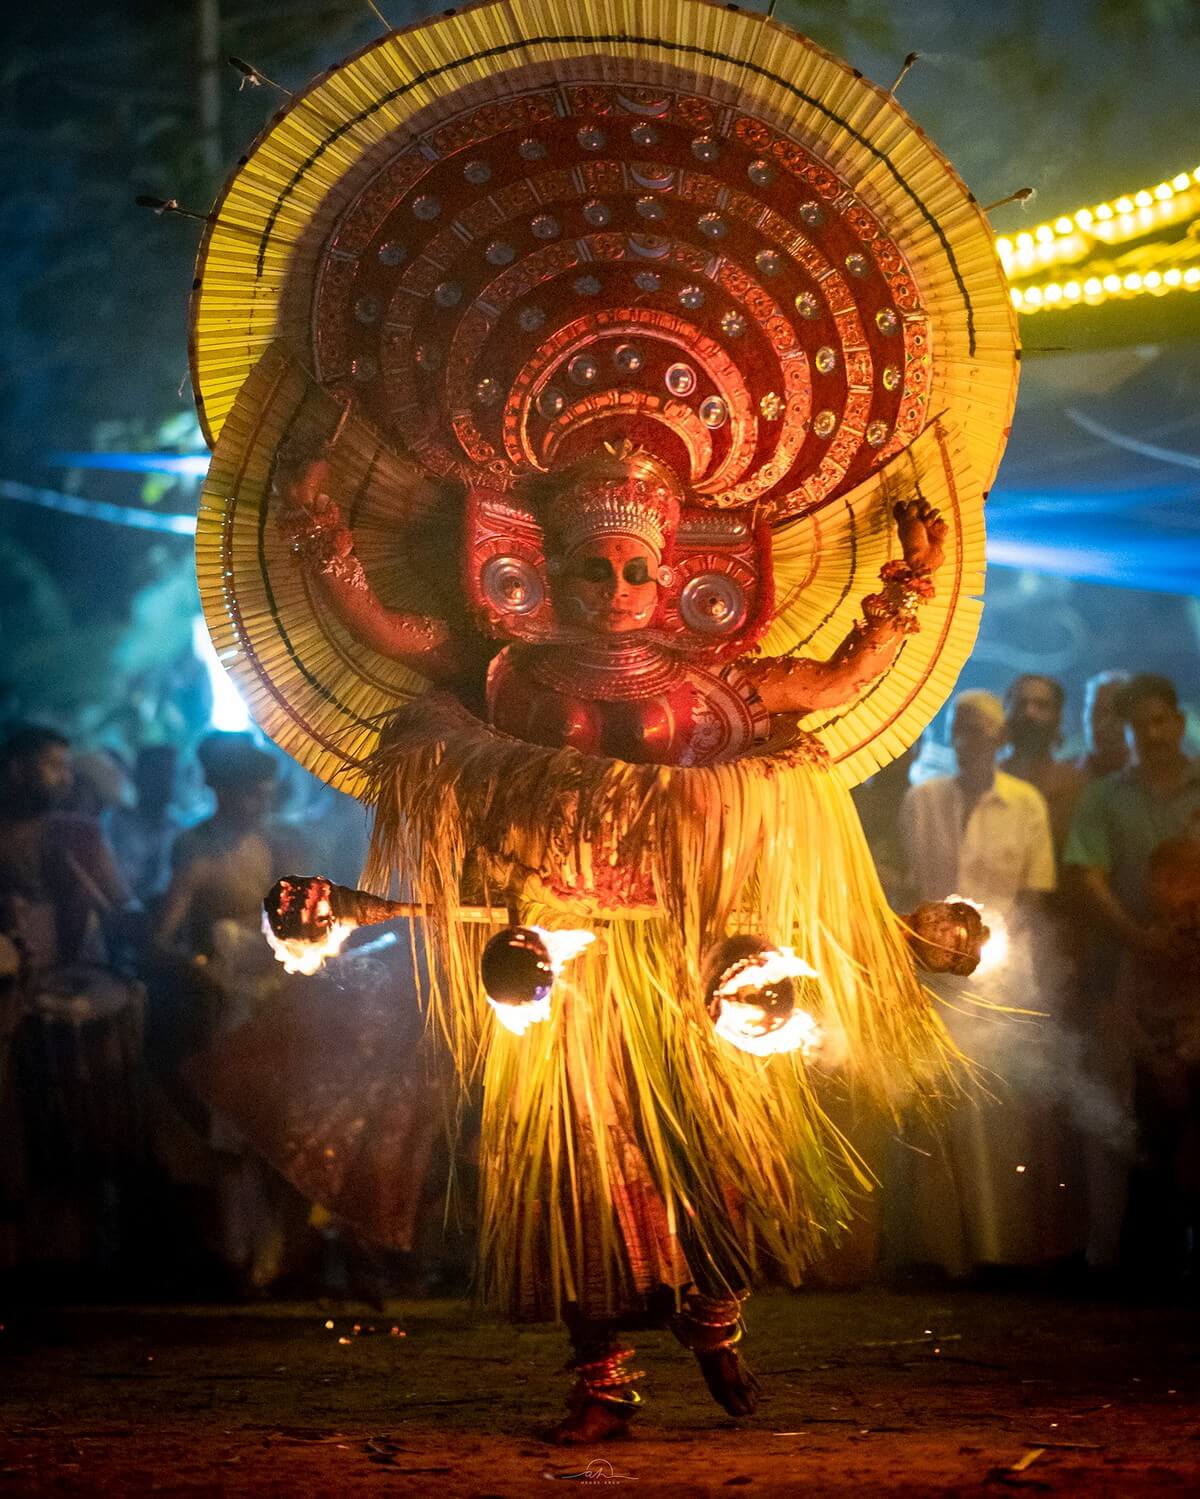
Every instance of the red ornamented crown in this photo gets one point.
(620, 491)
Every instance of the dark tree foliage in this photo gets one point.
(101, 101)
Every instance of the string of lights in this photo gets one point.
(1104, 285)
(1073, 237)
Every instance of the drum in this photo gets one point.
(81, 1061)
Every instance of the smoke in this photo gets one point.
(1012, 1022)
(380, 971)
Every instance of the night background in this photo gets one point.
(1094, 565)
(1083, 102)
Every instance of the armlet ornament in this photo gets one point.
(904, 590)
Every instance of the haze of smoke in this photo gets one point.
(1038, 1056)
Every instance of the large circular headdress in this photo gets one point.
(519, 230)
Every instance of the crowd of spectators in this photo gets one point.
(1077, 1146)
(130, 946)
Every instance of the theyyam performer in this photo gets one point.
(603, 401)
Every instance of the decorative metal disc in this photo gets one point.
(712, 604)
(512, 584)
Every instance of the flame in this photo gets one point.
(741, 1025)
(306, 957)
(518, 1018)
(995, 949)
(994, 953)
(562, 947)
(744, 1025)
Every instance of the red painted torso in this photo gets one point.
(628, 701)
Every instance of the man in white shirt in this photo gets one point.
(984, 1190)
(979, 833)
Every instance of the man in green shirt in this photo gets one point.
(1121, 819)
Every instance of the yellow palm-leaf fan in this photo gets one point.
(316, 690)
(826, 562)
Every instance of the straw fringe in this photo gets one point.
(627, 1081)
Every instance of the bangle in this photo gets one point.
(904, 590)
(323, 543)
(900, 571)
(344, 567)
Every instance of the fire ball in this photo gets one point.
(516, 967)
(947, 936)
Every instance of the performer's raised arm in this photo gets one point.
(801, 684)
(311, 519)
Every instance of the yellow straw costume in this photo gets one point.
(672, 1123)
(625, 1145)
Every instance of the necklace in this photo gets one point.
(606, 671)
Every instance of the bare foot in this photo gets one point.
(591, 1421)
(729, 1381)
(922, 532)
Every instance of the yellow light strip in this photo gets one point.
(1072, 236)
(1091, 291)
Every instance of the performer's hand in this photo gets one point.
(308, 487)
(922, 533)
(309, 520)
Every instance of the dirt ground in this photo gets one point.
(866, 1393)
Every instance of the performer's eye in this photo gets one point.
(636, 571)
(596, 570)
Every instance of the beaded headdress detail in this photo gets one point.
(619, 491)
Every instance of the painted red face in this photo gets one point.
(609, 585)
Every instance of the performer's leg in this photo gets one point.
(711, 1327)
(709, 1323)
(602, 1400)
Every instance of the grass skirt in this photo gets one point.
(625, 1146)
